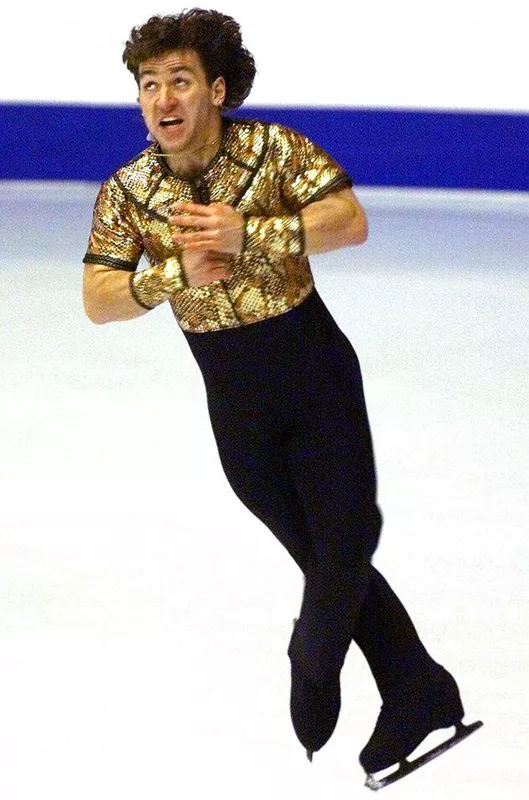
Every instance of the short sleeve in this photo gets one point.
(308, 173)
(115, 239)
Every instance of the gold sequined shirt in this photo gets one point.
(261, 170)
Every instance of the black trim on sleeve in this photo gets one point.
(109, 261)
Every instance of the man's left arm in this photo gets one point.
(338, 220)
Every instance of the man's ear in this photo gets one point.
(219, 91)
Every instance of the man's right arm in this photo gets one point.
(108, 296)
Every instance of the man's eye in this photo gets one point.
(148, 87)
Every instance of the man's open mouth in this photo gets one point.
(168, 122)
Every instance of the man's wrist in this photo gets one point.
(154, 285)
(274, 237)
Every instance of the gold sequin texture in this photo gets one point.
(154, 285)
(275, 237)
(262, 170)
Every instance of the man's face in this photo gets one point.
(181, 110)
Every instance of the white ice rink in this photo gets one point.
(145, 615)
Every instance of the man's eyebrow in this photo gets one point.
(173, 70)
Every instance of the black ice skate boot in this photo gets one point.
(411, 710)
(314, 710)
(314, 707)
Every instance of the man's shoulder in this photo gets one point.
(254, 139)
(249, 127)
(138, 173)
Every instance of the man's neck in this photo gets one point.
(197, 159)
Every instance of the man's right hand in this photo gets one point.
(203, 267)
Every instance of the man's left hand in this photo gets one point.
(216, 227)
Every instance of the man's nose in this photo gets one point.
(166, 96)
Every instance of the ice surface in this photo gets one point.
(145, 615)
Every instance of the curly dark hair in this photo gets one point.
(214, 36)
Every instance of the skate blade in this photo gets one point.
(407, 767)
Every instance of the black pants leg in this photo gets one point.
(288, 412)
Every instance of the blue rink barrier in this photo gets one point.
(378, 147)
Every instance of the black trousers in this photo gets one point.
(287, 407)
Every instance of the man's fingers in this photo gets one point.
(217, 261)
(189, 220)
(193, 236)
(191, 208)
(197, 246)
(199, 240)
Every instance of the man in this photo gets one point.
(227, 212)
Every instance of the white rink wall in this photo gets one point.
(410, 54)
